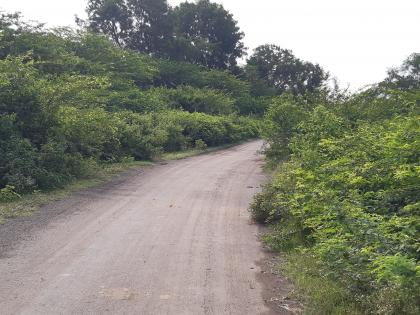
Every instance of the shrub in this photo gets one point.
(281, 122)
(347, 193)
(185, 128)
(8, 193)
(72, 101)
(18, 164)
(141, 136)
(200, 100)
(200, 144)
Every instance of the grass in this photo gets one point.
(320, 295)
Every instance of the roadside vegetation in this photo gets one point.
(73, 101)
(134, 81)
(141, 80)
(344, 200)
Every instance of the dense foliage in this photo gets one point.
(142, 78)
(69, 101)
(346, 191)
(284, 72)
(207, 34)
(143, 25)
(199, 32)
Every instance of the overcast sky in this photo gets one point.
(356, 40)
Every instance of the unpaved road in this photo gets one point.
(170, 239)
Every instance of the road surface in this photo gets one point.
(169, 239)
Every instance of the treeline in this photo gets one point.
(344, 201)
(201, 32)
(139, 78)
(70, 100)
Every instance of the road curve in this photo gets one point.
(171, 239)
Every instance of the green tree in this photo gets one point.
(152, 26)
(110, 17)
(281, 69)
(202, 100)
(143, 25)
(207, 34)
(407, 76)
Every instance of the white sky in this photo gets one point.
(356, 40)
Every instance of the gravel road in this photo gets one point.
(175, 238)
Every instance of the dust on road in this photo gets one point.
(173, 239)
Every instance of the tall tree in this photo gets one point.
(112, 18)
(152, 27)
(280, 69)
(143, 25)
(407, 76)
(207, 34)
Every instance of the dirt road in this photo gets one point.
(170, 239)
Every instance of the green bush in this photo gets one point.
(18, 164)
(281, 121)
(128, 97)
(347, 193)
(200, 144)
(199, 100)
(8, 193)
(142, 137)
(186, 128)
(72, 101)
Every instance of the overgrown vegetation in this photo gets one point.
(70, 101)
(200, 32)
(344, 203)
(141, 79)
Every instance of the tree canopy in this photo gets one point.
(207, 34)
(407, 76)
(143, 25)
(200, 33)
(281, 69)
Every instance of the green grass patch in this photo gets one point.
(319, 294)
